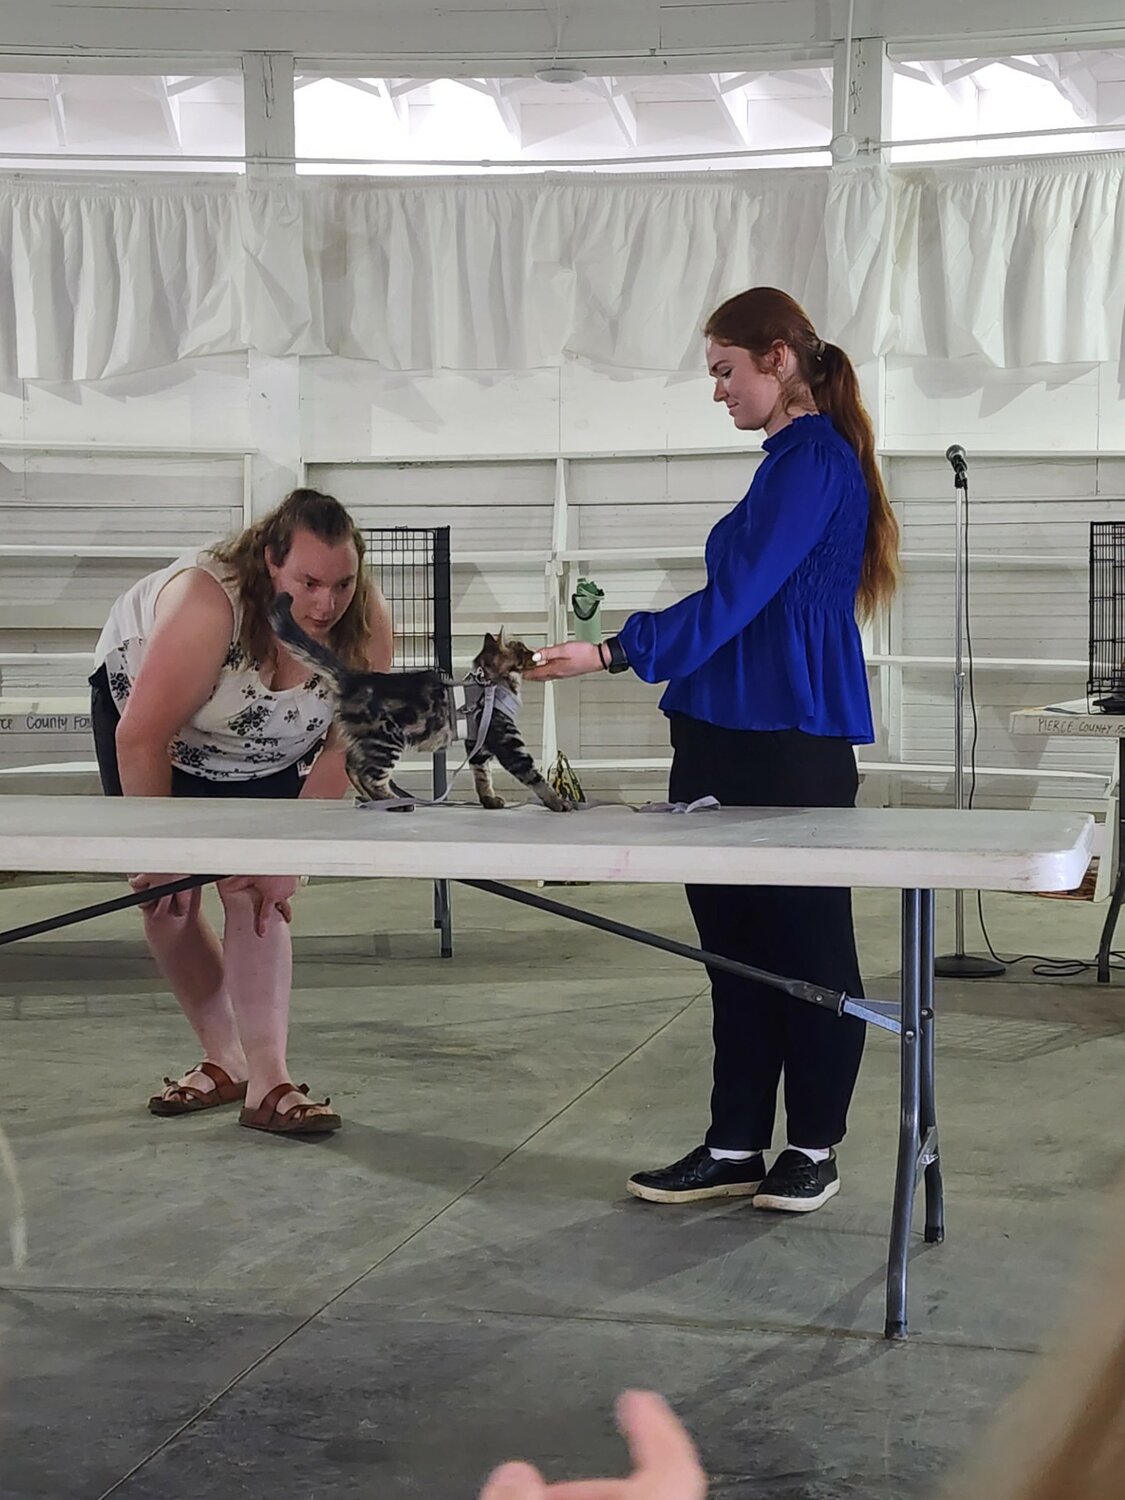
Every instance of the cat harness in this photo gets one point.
(473, 702)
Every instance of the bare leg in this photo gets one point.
(188, 955)
(259, 974)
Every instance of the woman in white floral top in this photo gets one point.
(193, 696)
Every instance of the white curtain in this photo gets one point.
(519, 275)
(1022, 263)
(99, 279)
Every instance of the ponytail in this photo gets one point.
(835, 389)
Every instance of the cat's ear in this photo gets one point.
(500, 638)
(489, 639)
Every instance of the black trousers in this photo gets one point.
(762, 1035)
(104, 719)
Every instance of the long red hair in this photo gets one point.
(758, 319)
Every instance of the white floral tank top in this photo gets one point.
(245, 729)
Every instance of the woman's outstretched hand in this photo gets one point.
(574, 659)
(665, 1463)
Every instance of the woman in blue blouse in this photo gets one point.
(767, 694)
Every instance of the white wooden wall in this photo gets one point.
(1029, 538)
(648, 464)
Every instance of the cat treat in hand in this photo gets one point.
(379, 715)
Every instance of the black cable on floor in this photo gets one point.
(1046, 965)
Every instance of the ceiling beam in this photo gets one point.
(500, 94)
(397, 91)
(964, 70)
(185, 85)
(731, 100)
(620, 107)
(395, 109)
(935, 70)
(734, 81)
(912, 70)
(170, 109)
(58, 113)
(958, 80)
(1021, 65)
(816, 81)
(391, 92)
(1075, 83)
(362, 85)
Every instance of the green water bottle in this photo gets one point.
(586, 603)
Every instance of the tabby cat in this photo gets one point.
(381, 714)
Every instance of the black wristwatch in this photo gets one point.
(618, 661)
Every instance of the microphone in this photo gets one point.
(957, 457)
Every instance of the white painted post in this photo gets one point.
(267, 92)
(275, 384)
(865, 114)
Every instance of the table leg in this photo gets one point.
(443, 916)
(912, 1017)
(1105, 943)
(930, 1157)
(906, 1173)
(443, 897)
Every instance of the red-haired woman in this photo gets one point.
(767, 694)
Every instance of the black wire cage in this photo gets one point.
(412, 566)
(1105, 685)
(413, 569)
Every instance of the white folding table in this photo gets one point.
(914, 851)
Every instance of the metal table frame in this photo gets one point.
(911, 1019)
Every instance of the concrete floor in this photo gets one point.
(459, 1277)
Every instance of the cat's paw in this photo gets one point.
(556, 802)
(493, 803)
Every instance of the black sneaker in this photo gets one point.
(699, 1176)
(796, 1184)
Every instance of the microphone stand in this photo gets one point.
(959, 964)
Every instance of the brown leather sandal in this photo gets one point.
(187, 1100)
(299, 1120)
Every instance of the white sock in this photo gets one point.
(719, 1154)
(814, 1153)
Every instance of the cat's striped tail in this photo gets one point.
(301, 645)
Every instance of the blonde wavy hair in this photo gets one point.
(244, 557)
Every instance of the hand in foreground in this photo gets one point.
(269, 893)
(167, 906)
(665, 1463)
(574, 659)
